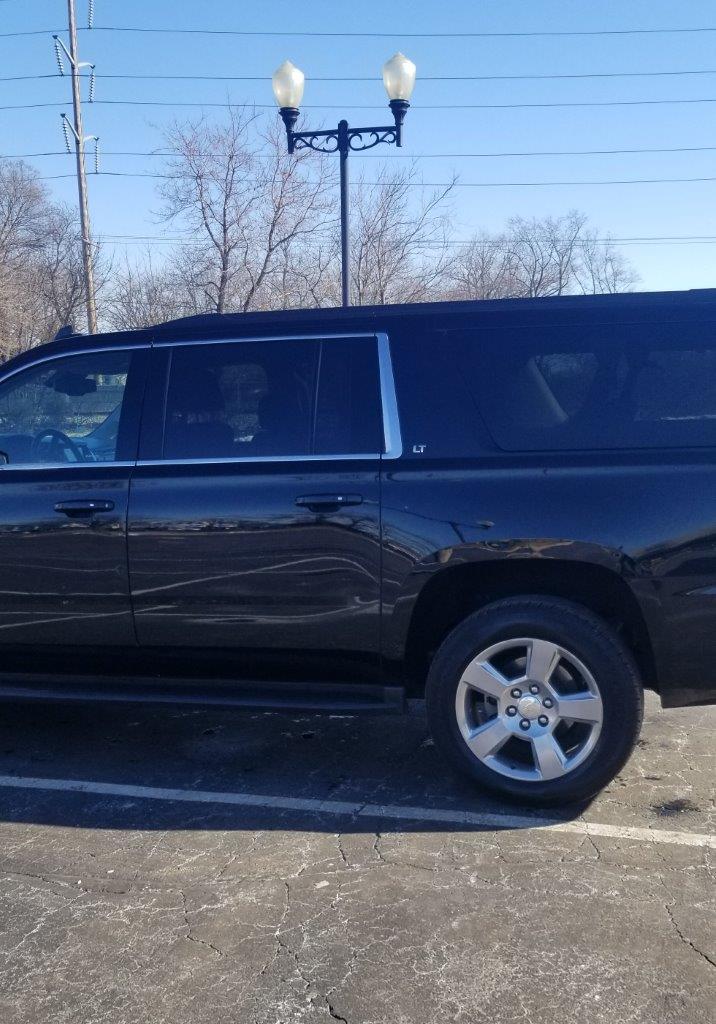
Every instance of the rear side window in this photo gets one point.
(240, 399)
(348, 408)
(273, 399)
(606, 387)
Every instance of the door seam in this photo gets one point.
(130, 481)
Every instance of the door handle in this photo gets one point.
(323, 502)
(83, 507)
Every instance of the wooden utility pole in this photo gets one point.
(79, 137)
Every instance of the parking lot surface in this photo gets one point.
(172, 865)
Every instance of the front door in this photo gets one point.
(255, 522)
(68, 438)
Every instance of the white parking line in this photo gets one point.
(467, 819)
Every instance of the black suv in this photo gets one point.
(508, 508)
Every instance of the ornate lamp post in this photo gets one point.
(399, 81)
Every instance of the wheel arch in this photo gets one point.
(453, 592)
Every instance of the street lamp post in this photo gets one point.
(399, 80)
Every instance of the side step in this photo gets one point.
(341, 698)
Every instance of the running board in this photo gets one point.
(336, 698)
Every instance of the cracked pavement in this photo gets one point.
(123, 909)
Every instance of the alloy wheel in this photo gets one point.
(529, 709)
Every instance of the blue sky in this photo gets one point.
(125, 205)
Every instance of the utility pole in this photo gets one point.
(77, 131)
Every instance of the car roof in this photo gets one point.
(473, 311)
(657, 307)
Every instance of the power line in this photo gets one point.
(430, 184)
(458, 241)
(426, 78)
(400, 34)
(31, 78)
(375, 78)
(491, 243)
(165, 154)
(374, 106)
(409, 35)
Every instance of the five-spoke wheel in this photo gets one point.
(535, 697)
(529, 709)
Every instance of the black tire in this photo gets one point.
(578, 631)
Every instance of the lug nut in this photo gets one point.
(548, 702)
(524, 724)
(512, 711)
(516, 693)
(543, 720)
(534, 688)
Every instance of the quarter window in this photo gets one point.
(273, 399)
(67, 410)
(612, 386)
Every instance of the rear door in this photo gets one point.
(69, 429)
(255, 512)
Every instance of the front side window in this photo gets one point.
(64, 411)
(273, 399)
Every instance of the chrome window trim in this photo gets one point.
(389, 404)
(248, 459)
(393, 440)
(34, 466)
(228, 340)
(69, 355)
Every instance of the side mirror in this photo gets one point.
(4, 459)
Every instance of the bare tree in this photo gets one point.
(482, 269)
(400, 242)
(307, 274)
(602, 268)
(23, 206)
(259, 231)
(243, 202)
(142, 294)
(60, 268)
(41, 273)
(533, 258)
(543, 253)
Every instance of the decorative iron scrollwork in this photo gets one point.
(330, 141)
(321, 142)
(377, 135)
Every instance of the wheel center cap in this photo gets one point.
(529, 707)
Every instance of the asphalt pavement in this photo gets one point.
(180, 866)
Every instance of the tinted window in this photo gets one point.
(65, 410)
(273, 398)
(438, 413)
(585, 388)
(348, 410)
